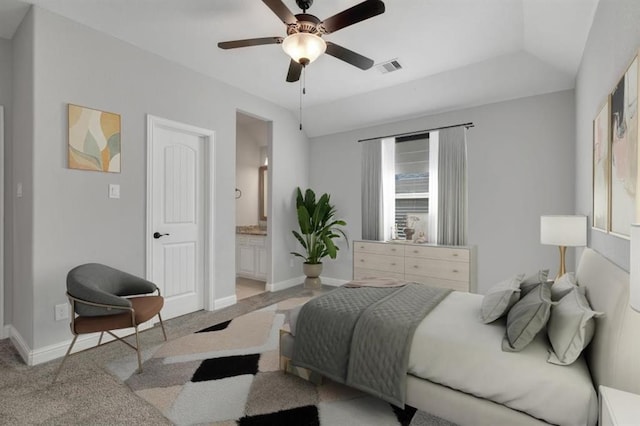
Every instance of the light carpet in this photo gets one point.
(228, 374)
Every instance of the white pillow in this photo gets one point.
(500, 298)
(571, 327)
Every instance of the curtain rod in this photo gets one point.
(467, 125)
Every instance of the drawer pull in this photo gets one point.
(361, 260)
(393, 249)
(415, 266)
(455, 255)
(455, 271)
(393, 264)
(415, 251)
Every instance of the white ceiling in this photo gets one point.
(454, 53)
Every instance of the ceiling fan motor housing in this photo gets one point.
(306, 24)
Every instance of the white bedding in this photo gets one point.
(452, 347)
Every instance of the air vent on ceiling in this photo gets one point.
(389, 66)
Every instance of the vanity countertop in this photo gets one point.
(251, 230)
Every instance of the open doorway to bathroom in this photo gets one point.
(252, 163)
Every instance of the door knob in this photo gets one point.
(157, 235)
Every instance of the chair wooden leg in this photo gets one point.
(164, 333)
(73, 342)
(138, 351)
(100, 339)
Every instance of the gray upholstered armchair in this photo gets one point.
(105, 299)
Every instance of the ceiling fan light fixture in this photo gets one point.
(304, 48)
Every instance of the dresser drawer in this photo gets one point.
(439, 282)
(379, 262)
(359, 273)
(441, 253)
(455, 271)
(378, 248)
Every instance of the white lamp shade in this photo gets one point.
(634, 268)
(303, 47)
(565, 231)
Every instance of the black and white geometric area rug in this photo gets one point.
(228, 374)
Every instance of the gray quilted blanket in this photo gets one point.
(362, 336)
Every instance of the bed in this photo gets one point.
(467, 394)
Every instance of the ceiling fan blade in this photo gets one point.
(365, 10)
(281, 10)
(349, 56)
(249, 42)
(295, 69)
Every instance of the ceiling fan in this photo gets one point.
(304, 42)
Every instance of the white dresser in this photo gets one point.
(442, 266)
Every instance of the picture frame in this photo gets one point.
(601, 168)
(419, 222)
(623, 119)
(94, 139)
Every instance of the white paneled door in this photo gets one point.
(179, 229)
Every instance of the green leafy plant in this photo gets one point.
(318, 228)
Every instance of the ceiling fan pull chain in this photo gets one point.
(301, 93)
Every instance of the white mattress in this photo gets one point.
(452, 347)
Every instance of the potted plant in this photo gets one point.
(318, 230)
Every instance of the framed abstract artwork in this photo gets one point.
(601, 175)
(94, 139)
(624, 152)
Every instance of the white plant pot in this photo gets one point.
(312, 271)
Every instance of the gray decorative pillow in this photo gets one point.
(527, 317)
(530, 282)
(571, 327)
(563, 286)
(500, 298)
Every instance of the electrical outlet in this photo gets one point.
(61, 312)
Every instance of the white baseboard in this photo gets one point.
(57, 350)
(224, 302)
(286, 284)
(20, 345)
(5, 332)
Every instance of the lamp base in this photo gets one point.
(563, 268)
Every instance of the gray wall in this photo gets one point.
(520, 165)
(613, 41)
(6, 93)
(73, 220)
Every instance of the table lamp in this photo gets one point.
(634, 268)
(563, 231)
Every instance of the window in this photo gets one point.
(411, 185)
(402, 178)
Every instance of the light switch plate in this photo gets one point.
(114, 190)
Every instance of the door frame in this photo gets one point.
(208, 202)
